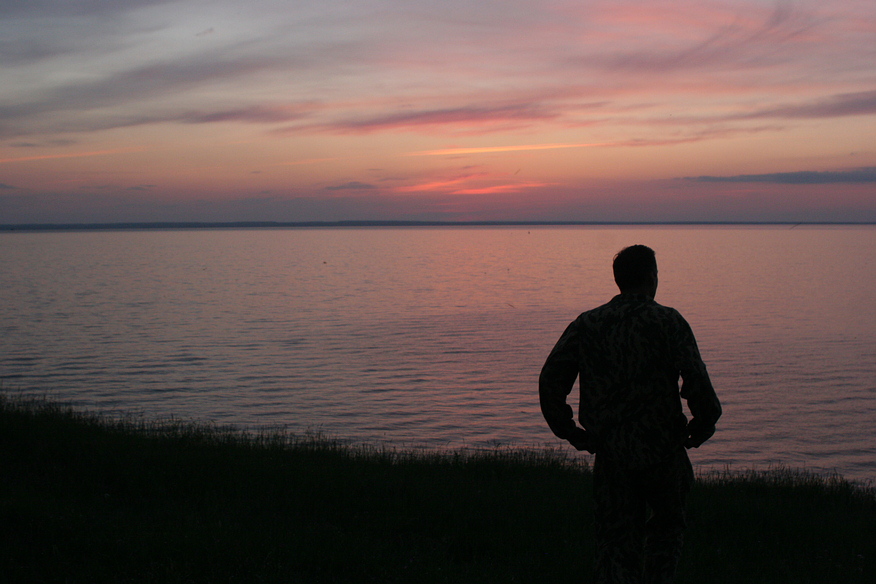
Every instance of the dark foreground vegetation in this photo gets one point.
(87, 499)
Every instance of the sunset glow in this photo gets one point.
(219, 110)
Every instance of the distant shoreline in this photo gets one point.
(170, 225)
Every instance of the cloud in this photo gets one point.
(155, 79)
(81, 102)
(472, 183)
(859, 175)
(634, 143)
(351, 186)
(47, 143)
(703, 48)
(6, 186)
(87, 122)
(464, 116)
(840, 105)
(34, 31)
(72, 7)
(499, 189)
(258, 114)
(441, 185)
(71, 155)
(495, 149)
(307, 161)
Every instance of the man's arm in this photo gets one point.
(554, 385)
(704, 407)
(697, 390)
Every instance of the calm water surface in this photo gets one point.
(435, 337)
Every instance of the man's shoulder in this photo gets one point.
(626, 303)
(598, 312)
(663, 309)
(666, 314)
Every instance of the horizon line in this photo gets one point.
(146, 225)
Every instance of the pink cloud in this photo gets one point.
(440, 185)
(482, 183)
(500, 189)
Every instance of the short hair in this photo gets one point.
(634, 266)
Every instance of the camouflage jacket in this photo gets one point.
(629, 355)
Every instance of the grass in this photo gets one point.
(89, 499)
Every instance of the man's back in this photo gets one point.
(629, 354)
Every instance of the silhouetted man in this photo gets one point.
(629, 355)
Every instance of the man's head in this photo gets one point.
(635, 270)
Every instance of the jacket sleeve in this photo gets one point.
(696, 389)
(556, 382)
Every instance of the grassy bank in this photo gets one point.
(85, 499)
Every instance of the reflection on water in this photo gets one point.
(436, 336)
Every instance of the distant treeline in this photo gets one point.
(317, 224)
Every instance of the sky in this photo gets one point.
(445, 110)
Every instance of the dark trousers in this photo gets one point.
(640, 519)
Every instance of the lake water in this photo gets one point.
(434, 337)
